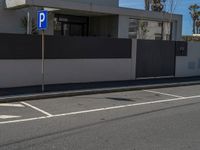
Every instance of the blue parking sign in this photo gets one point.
(42, 19)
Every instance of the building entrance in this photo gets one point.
(66, 25)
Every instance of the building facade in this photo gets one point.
(97, 18)
(103, 46)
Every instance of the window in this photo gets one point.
(68, 25)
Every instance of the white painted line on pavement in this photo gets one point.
(101, 109)
(167, 94)
(24, 120)
(38, 109)
(8, 116)
(11, 105)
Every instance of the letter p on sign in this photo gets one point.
(42, 20)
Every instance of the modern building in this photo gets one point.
(101, 18)
(94, 41)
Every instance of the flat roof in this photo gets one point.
(90, 8)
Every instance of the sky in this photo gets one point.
(181, 8)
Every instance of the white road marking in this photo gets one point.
(38, 109)
(8, 116)
(167, 94)
(100, 109)
(11, 105)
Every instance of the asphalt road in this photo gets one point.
(156, 119)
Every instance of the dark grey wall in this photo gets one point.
(15, 46)
(155, 58)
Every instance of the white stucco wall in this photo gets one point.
(123, 26)
(10, 20)
(189, 65)
(87, 70)
(17, 73)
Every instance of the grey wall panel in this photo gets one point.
(155, 58)
(77, 48)
(14, 46)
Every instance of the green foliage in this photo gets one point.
(34, 26)
(195, 15)
(143, 29)
(24, 23)
(157, 5)
(147, 5)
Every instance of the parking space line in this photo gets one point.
(11, 105)
(161, 93)
(38, 109)
(8, 116)
(99, 109)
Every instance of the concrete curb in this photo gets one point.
(26, 97)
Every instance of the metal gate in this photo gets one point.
(155, 58)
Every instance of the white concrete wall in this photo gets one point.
(123, 26)
(10, 20)
(16, 73)
(87, 70)
(189, 65)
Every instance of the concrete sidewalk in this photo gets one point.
(60, 90)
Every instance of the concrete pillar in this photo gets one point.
(123, 26)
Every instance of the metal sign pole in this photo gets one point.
(42, 23)
(43, 59)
